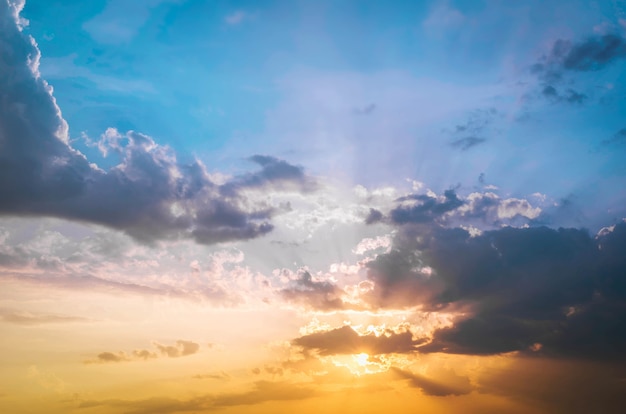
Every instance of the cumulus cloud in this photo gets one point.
(149, 195)
(423, 208)
(536, 291)
(562, 289)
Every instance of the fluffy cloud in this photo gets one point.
(149, 195)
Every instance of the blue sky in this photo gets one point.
(291, 197)
(373, 92)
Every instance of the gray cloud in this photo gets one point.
(568, 57)
(466, 143)
(374, 216)
(425, 208)
(452, 384)
(618, 140)
(346, 340)
(570, 95)
(275, 173)
(591, 54)
(471, 133)
(149, 195)
(562, 289)
(318, 294)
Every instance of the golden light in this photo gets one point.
(361, 359)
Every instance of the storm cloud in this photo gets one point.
(535, 290)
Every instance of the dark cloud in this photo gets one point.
(275, 173)
(477, 122)
(149, 195)
(535, 290)
(570, 95)
(594, 53)
(618, 140)
(466, 143)
(559, 385)
(567, 57)
(469, 134)
(179, 349)
(374, 216)
(450, 384)
(346, 340)
(591, 54)
(424, 208)
(305, 290)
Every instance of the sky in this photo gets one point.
(312, 206)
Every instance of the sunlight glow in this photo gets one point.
(361, 359)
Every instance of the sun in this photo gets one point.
(361, 359)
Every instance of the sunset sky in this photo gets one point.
(312, 206)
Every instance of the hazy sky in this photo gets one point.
(312, 206)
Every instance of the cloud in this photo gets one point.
(308, 291)
(236, 17)
(374, 216)
(149, 195)
(562, 289)
(216, 376)
(180, 349)
(275, 173)
(471, 133)
(120, 21)
(618, 140)
(452, 384)
(365, 110)
(424, 208)
(466, 143)
(29, 318)
(262, 391)
(570, 96)
(346, 340)
(592, 54)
